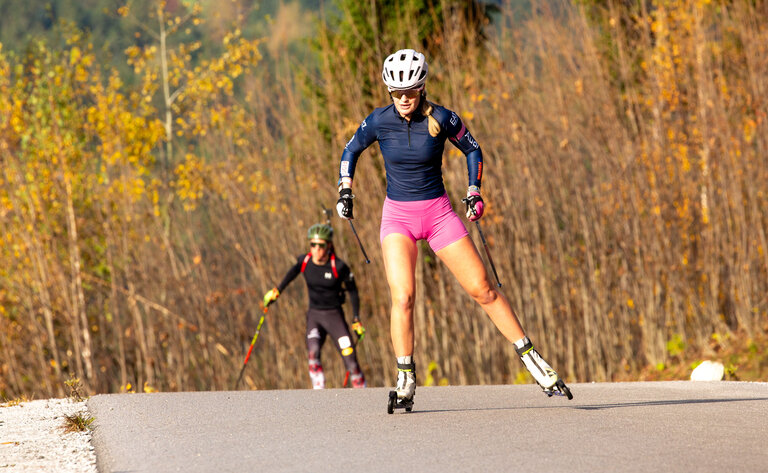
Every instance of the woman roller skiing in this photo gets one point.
(411, 132)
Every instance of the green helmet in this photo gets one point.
(321, 231)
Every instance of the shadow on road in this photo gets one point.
(595, 407)
(665, 403)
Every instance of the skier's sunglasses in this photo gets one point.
(313, 244)
(409, 93)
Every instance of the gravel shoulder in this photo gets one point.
(33, 438)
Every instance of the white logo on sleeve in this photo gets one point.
(471, 141)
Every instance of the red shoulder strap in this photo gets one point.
(306, 260)
(333, 264)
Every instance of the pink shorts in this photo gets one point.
(433, 220)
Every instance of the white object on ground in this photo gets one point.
(708, 371)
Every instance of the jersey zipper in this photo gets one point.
(409, 134)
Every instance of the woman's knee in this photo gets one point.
(483, 294)
(403, 302)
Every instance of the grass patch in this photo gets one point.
(74, 386)
(77, 422)
(14, 402)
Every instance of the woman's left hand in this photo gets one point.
(475, 205)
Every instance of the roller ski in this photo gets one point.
(544, 375)
(402, 396)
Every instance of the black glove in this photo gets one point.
(344, 204)
(475, 205)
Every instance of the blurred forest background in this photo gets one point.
(161, 161)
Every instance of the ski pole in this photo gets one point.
(485, 243)
(367, 261)
(253, 342)
(328, 213)
(488, 252)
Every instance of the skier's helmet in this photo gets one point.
(405, 69)
(320, 231)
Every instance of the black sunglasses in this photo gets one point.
(312, 244)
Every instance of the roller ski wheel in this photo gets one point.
(395, 403)
(559, 389)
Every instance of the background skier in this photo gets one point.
(327, 278)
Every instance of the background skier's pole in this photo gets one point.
(253, 342)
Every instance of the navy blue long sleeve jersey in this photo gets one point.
(413, 159)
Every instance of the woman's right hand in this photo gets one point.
(344, 204)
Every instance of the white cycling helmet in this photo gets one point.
(405, 69)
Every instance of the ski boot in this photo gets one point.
(316, 374)
(402, 396)
(358, 380)
(544, 375)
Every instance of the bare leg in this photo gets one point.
(464, 262)
(462, 259)
(400, 254)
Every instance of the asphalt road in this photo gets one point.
(651, 426)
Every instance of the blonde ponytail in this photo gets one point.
(426, 110)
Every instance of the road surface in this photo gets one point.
(649, 426)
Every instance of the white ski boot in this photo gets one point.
(402, 396)
(544, 375)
